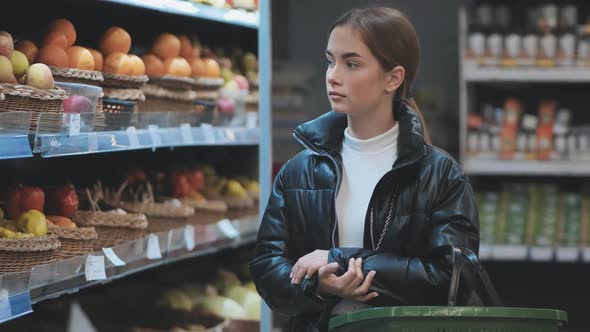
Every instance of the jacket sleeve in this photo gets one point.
(423, 280)
(273, 262)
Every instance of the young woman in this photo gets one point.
(359, 217)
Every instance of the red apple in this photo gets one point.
(22, 199)
(226, 105)
(62, 201)
(78, 104)
(242, 82)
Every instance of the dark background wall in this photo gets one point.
(300, 33)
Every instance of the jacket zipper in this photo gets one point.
(315, 151)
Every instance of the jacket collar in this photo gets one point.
(326, 133)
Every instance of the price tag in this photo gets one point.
(132, 136)
(113, 257)
(208, 132)
(74, 124)
(186, 133)
(228, 229)
(92, 142)
(155, 135)
(189, 237)
(153, 247)
(94, 268)
(5, 309)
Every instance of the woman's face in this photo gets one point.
(355, 81)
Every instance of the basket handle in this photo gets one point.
(458, 258)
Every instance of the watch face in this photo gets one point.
(484, 15)
(569, 16)
(567, 44)
(502, 14)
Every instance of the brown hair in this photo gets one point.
(392, 39)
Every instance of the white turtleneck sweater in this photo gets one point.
(364, 164)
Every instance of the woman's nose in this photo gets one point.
(333, 76)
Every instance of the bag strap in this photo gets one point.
(458, 258)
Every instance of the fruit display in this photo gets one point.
(229, 298)
(29, 224)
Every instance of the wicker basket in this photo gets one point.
(174, 82)
(72, 75)
(160, 99)
(123, 81)
(153, 209)
(17, 97)
(113, 228)
(74, 241)
(18, 255)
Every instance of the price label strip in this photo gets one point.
(153, 247)
(187, 133)
(208, 132)
(189, 237)
(74, 124)
(92, 142)
(5, 309)
(94, 268)
(132, 136)
(155, 135)
(228, 229)
(110, 254)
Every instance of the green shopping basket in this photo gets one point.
(453, 318)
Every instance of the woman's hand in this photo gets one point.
(351, 285)
(308, 265)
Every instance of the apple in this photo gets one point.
(242, 82)
(6, 71)
(22, 199)
(231, 85)
(78, 104)
(40, 76)
(226, 105)
(6, 44)
(20, 64)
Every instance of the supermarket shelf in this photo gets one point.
(76, 135)
(14, 131)
(186, 8)
(474, 73)
(526, 167)
(69, 276)
(521, 253)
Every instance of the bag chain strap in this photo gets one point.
(387, 222)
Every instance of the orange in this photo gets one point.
(66, 27)
(80, 58)
(53, 55)
(177, 67)
(137, 65)
(118, 63)
(115, 39)
(213, 69)
(166, 46)
(56, 38)
(199, 67)
(98, 60)
(153, 65)
(186, 47)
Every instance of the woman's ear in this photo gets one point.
(395, 78)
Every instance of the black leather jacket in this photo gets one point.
(434, 206)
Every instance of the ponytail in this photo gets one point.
(399, 98)
(414, 106)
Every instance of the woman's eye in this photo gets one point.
(330, 62)
(352, 65)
